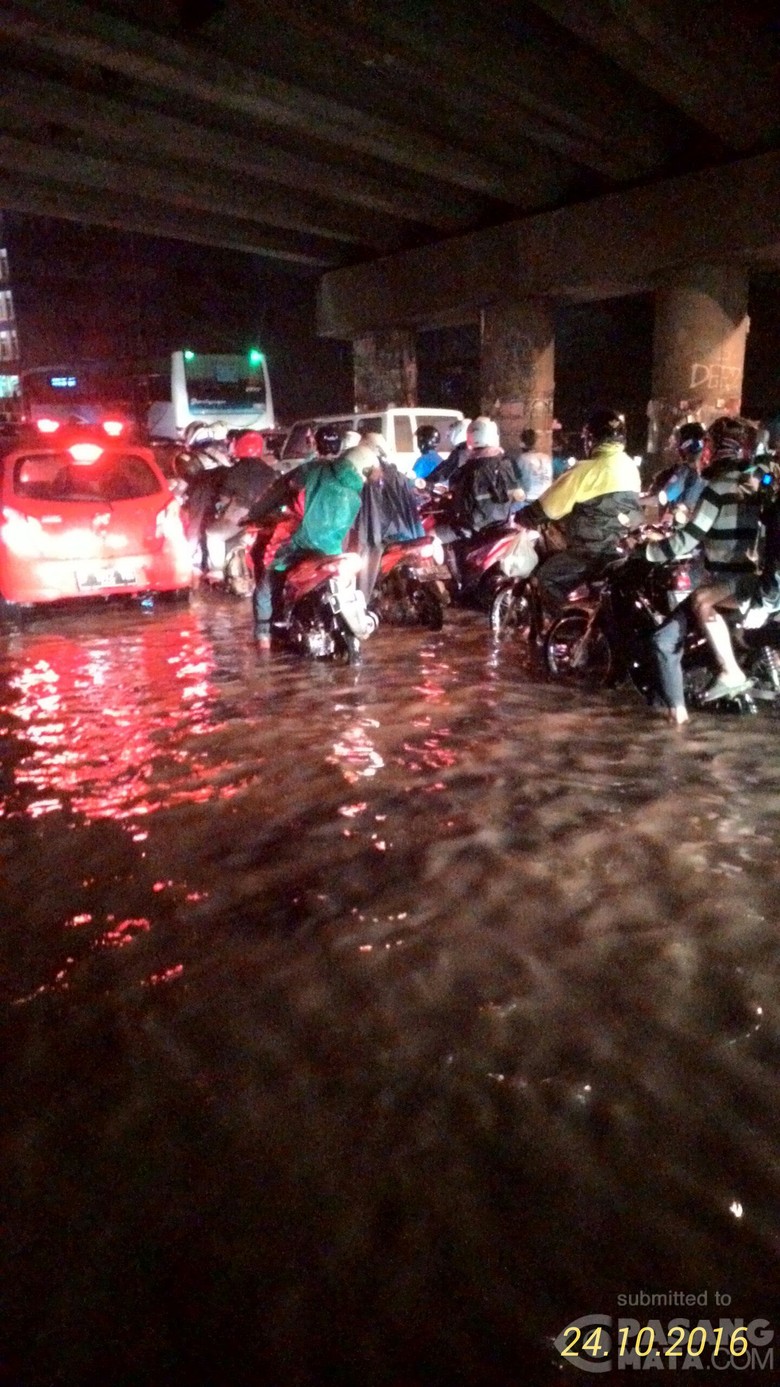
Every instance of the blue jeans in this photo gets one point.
(267, 600)
(668, 642)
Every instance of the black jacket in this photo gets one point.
(481, 490)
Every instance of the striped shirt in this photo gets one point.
(725, 523)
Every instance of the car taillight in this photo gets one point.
(47, 425)
(113, 427)
(22, 534)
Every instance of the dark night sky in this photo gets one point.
(83, 291)
(88, 292)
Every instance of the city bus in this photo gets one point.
(210, 388)
(229, 388)
(84, 393)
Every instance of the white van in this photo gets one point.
(397, 426)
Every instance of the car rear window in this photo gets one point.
(298, 440)
(442, 422)
(56, 477)
(404, 442)
(369, 423)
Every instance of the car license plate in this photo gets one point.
(104, 576)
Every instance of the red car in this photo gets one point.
(86, 515)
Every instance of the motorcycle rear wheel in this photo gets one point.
(572, 654)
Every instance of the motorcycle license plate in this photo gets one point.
(101, 576)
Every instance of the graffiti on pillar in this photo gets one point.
(519, 350)
(385, 371)
(718, 378)
(511, 359)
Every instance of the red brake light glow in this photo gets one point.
(113, 427)
(47, 425)
(21, 533)
(85, 453)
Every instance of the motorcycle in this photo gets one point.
(477, 562)
(411, 586)
(517, 607)
(326, 615)
(604, 637)
(473, 561)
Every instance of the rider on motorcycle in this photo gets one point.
(679, 487)
(598, 502)
(458, 439)
(533, 468)
(250, 474)
(482, 491)
(428, 439)
(726, 524)
(323, 502)
(388, 512)
(484, 486)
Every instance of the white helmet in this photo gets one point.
(377, 442)
(197, 433)
(484, 433)
(363, 458)
(458, 432)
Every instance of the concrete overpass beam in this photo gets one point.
(701, 328)
(518, 369)
(385, 370)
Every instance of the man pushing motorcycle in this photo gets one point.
(321, 506)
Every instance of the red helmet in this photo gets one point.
(249, 445)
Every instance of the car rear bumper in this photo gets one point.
(32, 581)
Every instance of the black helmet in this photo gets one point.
(604, 426)
(327, 441)
(690, 439)
(732, 439)
(427, 438)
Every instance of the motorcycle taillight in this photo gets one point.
(681, 580)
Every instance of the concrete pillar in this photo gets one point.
(518, 369)
(385, 370)
(701, 325)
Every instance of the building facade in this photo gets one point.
(9, 341)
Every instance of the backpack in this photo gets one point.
(482, 486)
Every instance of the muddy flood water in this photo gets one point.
(371, 1026)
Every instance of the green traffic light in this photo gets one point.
(189, 356)
(255, 357)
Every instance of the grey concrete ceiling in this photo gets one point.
(327, 132)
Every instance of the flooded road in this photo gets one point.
(368, 1027)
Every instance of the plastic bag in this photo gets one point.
(521, 559)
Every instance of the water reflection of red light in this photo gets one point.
(122, 934)
(99, 711)
(169, 975)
